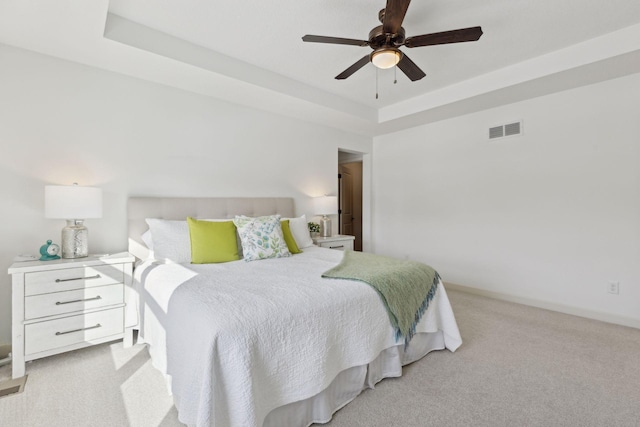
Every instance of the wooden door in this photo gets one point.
(350, 200)
(346, 202)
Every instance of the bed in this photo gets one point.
(269, 342)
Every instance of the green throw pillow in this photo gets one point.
(288, 237)
(212, 241)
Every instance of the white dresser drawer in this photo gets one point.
(343, 245)
(69, 301)
(66, 279)
(83, 328)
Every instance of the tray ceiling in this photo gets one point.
(251, 52)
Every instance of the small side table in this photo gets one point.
(66, 304)
(340, 242)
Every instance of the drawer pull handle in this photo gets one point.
(97, 276)
(78, 300)
(81, 329)
(336, 247)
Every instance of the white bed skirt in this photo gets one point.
(351, 382)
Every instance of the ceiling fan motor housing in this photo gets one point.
(378, 38)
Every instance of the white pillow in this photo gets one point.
(300, 231)
(170, 240)
(147, 239)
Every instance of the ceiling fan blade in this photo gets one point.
(394, 15)
(410, 68)
(454, 36)
(334, 40)
(355, 67)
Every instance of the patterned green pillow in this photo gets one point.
(261, 237)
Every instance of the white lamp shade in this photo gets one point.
(326, 205)
(72, 202)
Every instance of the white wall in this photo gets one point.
(62, 122)
(551, 215)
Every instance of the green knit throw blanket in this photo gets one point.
(405, 287)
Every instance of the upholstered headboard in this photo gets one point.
(179, 208)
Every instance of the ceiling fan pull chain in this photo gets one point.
(395, 74)
(376, 82)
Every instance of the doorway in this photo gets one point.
(350, 196)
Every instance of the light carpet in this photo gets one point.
(517, 366)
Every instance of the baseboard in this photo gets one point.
(589, 314)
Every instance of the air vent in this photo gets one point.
(512, 129)
(10, 387)
(496, 132)
(502, 131)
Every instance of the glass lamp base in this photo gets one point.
(75, 240)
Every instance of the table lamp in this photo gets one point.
(74, 204)
(326, 205)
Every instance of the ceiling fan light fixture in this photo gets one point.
(386, 57)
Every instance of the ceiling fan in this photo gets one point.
(386, 39)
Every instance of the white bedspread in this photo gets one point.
(242, 338)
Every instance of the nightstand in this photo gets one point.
(67, 304)
(339, 241)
